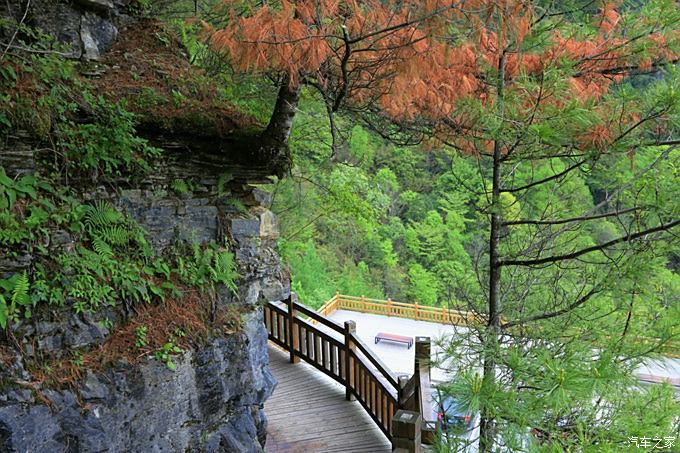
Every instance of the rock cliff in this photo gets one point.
(211, 398)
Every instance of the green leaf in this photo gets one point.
(4, 312)
(4, 179)
(4, 121)
(12, 196)
(102, 248)
(20, 292)
(27, 185)
(157, 291)
(11, 72)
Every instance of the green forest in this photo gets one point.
(428, 206)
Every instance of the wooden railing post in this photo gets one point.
(401, 398)
(389, 306)
(406, 429)
(293, 333)
(350, 329)
(423, 351)
(416, 304)
(363, 304)
(422, 368)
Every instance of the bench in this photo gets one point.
(395, 338)
(651, 379)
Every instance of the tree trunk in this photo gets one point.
(275, 137)
(492, 337)
(487, 428)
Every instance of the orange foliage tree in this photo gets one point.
(419, 59)
(542, 85)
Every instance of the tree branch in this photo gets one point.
(573, 219)
(548, 179)
(343, 70)
(631, 69)
(594, 248)
(663, 156)
(16, 30)
(553, 314)
(404, 24)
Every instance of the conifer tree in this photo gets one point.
(538, 91)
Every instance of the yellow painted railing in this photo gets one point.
(389, 307)
(433, 314)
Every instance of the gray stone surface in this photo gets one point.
(167, 218)
(87, 27)
(103, 6)
(97, 34)
(245, 228)
(213, 401)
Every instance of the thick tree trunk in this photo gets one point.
(276, 135)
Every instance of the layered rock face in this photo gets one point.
(213, 400)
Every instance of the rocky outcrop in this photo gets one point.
(87, 27)
(213, 400)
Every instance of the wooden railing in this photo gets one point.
(389, 307)
(338, 352)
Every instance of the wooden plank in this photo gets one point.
(321, 333)
(307, 397)
(335, 369)
(267, 323)
(310, 346)
(277, 341)
(343, 365)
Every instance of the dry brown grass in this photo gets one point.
(162, 322)
(147, 59)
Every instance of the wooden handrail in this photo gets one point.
(350, 362)
(314, 315)
(376, 362)
(398, 309)
(348, 359)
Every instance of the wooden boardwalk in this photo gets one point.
(308, 413)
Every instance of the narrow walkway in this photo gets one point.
(308, 413)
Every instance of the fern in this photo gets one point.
(109, 229)
(101, 215)
(20, 291)
(223, 270)
(180, 186)
(101, 247)
(4, 312)
(115, 235)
